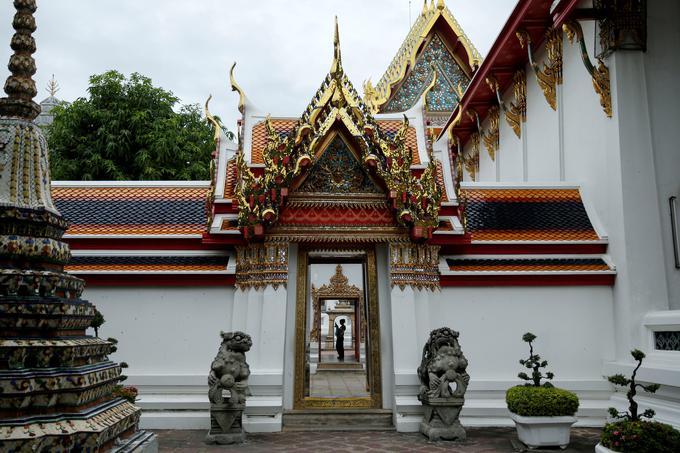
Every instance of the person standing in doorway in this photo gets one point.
(340, 340)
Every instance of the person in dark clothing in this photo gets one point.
(340, 340)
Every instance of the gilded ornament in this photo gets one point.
(235, 87)
(599, 74)
(551, 74)
(471, 162)
(491, 136)
(259, 265)
(415, 265)
(517, 113)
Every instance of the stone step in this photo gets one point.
(340, 366)
(338, 420)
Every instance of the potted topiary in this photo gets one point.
(630, 433)
(543, 414)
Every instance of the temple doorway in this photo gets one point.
(337, 341)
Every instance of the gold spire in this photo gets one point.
(52, 86)
(20, 86)
(424, 11)
(336, 66)
(440, 5)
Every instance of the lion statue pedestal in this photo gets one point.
(228, 389)
(443, 382)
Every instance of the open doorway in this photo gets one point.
(337, 352)
(338, 331)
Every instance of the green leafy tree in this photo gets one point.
(129, 129)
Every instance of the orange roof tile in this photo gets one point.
(283, 126)
(230, 179)
(527, 214)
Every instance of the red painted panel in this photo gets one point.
(528, 280)
(124, 280)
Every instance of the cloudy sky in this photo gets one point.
(283, 47)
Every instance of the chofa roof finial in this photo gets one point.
(20, 87)
(52, 86)
(336, 67)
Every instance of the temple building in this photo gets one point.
(530, 190)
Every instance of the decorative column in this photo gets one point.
(55, 381)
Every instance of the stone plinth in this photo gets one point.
(440, 420)
(226, 424)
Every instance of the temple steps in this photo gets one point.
(338, 420)
(340, 366)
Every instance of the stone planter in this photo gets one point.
(599, 448)
(543, 431)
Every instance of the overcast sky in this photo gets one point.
(283, 47)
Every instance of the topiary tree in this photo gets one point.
(97, 322)
(620, 379)
(535, 364)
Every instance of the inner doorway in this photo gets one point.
(337, 330)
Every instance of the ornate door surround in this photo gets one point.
(307, 254)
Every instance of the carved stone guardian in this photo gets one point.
(228, 389)
(443, 382)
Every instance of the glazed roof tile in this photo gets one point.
(527, 214)
(230, 180)
(440, 181)
(119, 210)
(527, 264)
(284, 126)
(83, 264)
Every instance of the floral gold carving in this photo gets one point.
(415, 265)
(517, 113)
(491, 135)
(259, 265)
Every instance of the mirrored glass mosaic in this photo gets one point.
(442, 97)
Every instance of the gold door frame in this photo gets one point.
(374, 401)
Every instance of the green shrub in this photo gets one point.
(126, 391)
(640, 436)
(541, 401)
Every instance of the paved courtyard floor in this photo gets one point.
(480, 440)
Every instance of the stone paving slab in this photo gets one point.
(480, 440)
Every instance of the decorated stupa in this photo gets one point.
(56, 382)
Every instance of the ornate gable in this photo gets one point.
(435, 66)
(436, 60)
(335, 132)
(338, 171)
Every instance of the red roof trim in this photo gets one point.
(529, 280)
(158, 280)
(505, 57)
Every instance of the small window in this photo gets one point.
(667, 341)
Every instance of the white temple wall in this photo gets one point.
(542, 131)
(662, 66)
(510, 154)
(575, 332)
(488, 169)
(587, 130)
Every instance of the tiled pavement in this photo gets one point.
(480, 440)
(337, 384)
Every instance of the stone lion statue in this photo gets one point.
(229, 371)
(442, 364)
